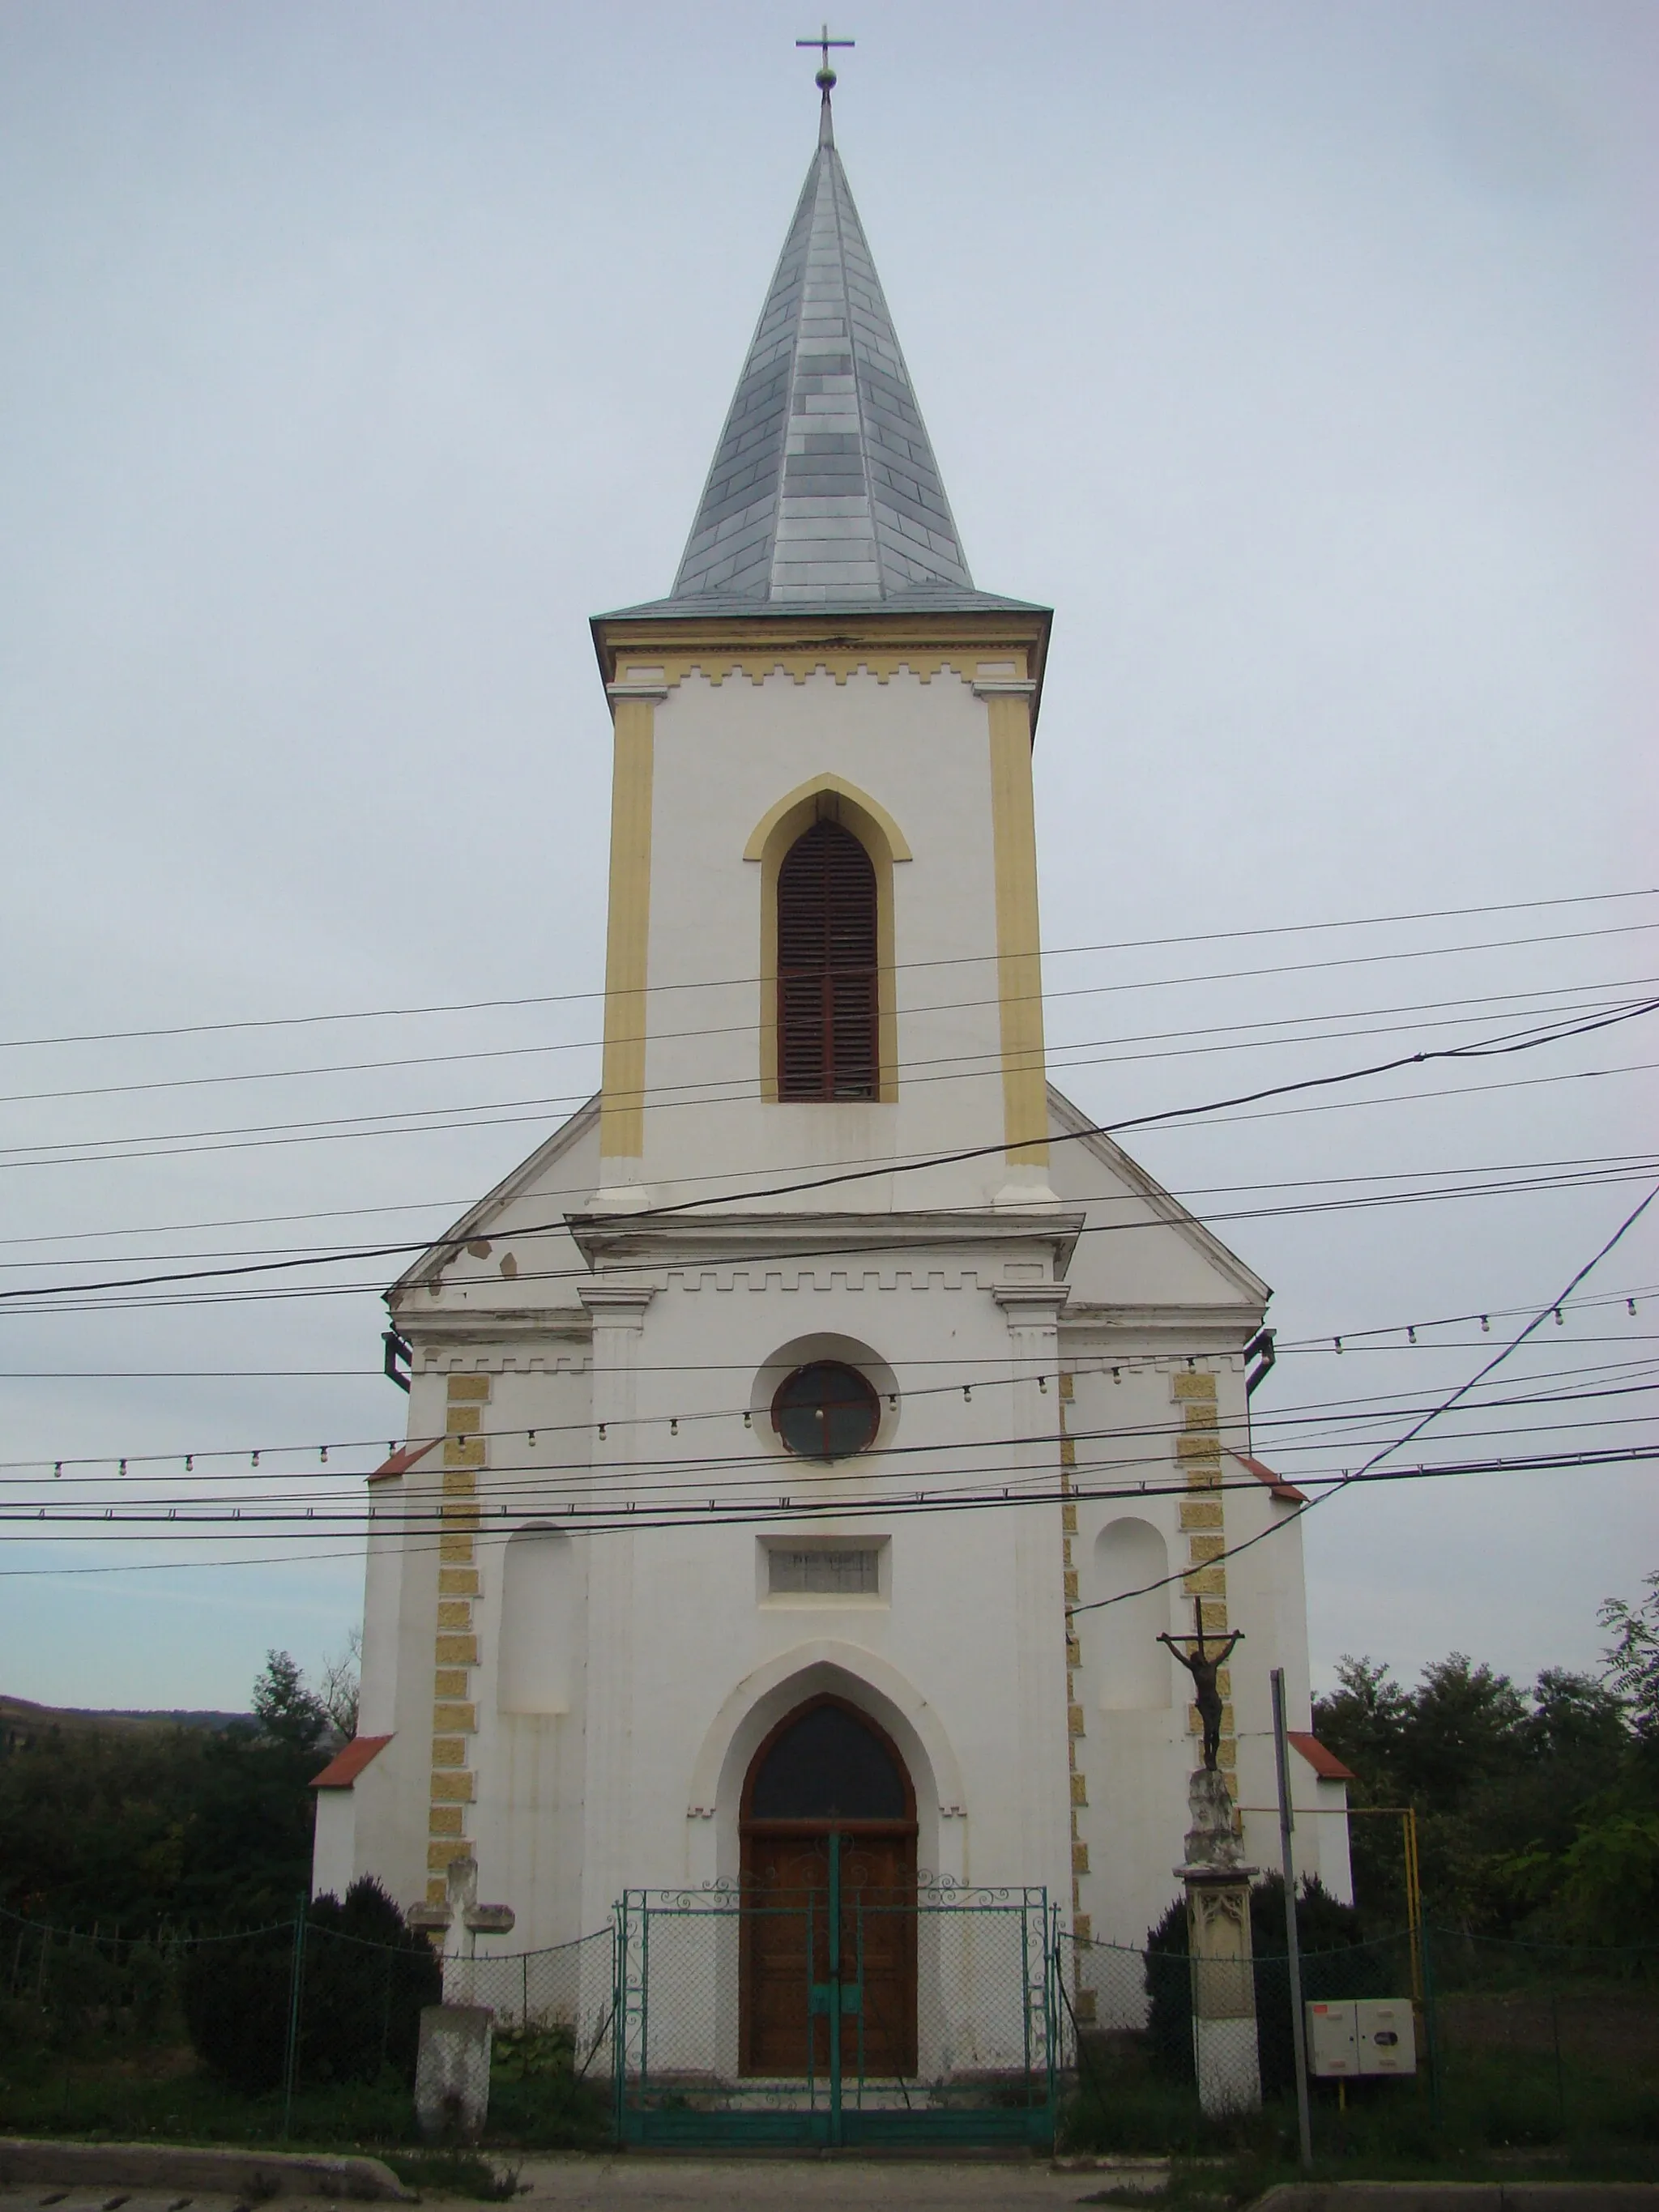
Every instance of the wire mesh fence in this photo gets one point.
(309, 2006)
(1516, 2044)
(814, 2015)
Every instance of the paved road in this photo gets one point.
(828, 2185)
(648, 2185)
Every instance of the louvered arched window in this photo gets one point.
(827, 998)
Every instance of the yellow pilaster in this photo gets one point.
(621, 1103)
(1020, 965)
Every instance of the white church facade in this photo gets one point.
(767, 1424)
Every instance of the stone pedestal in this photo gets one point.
(1219, 1942)
(452, 2072)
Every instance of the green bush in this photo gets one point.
(366, 1978)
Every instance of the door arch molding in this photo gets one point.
(865, 1680)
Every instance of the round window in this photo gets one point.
(826, 1410)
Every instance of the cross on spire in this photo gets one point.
(826, 75)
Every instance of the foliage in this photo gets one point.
(364, 1979)
(132, 1828)
(1500, 1779)
(1335, 1963)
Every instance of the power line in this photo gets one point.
(746, 1028)
(1185, 1196)
(1496, 1047)
(109, 1466)
(984, 1063)
(1366, 1473)
(568, 998)
(993, 1498)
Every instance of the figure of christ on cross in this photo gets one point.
(1204, 1665)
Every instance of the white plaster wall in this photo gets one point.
(724, 755)
(333, 1849)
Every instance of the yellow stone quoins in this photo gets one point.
(1198, 1448)
(1201, 1549)
(1068, 1519)
(1079, 1858)
(1205, 1581)
(1197, 1513)
(1071, 1584)
(455, 1644)
(1079, 1790)
(1083, 1926)
(1191, 1386)
(1074, 1719)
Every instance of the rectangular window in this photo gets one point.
(848, 1572)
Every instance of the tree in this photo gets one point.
(339, 1688)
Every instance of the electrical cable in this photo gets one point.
(1496, 1047)
(1064, 952)
(1365, 1473)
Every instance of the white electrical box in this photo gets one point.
(1386, 2031)
(1350, 2036)
(1332, 2038)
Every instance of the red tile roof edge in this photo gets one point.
(402, 1460)
(1286, 1492)
(1325, 1763)
(349, 1762)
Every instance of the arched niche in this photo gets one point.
(538, 1623)
(1133, 1665)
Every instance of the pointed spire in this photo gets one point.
(824, 488)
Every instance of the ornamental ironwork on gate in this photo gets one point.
(839, 2012)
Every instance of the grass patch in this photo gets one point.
(1496, 2109)
(455, 2173)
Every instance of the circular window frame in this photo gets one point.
(874, 1409)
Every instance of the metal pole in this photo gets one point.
(1293, 1945)
(834, 1986)
(296, 1985)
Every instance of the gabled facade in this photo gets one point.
(816, 1368)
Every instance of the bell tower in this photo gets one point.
(823, 945)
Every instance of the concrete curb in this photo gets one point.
(253, 2174)
(1461, 2197)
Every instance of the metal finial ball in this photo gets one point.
(825, 77)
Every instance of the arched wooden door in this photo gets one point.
(828, 1770)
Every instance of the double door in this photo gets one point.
(829, 1942)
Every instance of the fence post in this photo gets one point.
(1430, 2024)
(1292, 1947)
(295, 1999)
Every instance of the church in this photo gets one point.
(817, 1433)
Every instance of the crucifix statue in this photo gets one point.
(1204, 1664)
(826, 75)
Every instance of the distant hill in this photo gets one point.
(23, 1721)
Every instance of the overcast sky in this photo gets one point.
(1300, 357)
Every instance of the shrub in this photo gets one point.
(366, 1978)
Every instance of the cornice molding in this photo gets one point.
(674, 1239)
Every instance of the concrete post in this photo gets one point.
(1219, 1942)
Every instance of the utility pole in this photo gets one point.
(1292, 1947)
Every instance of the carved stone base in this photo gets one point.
(1224, 1988)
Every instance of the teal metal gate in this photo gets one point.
(729, 2000)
